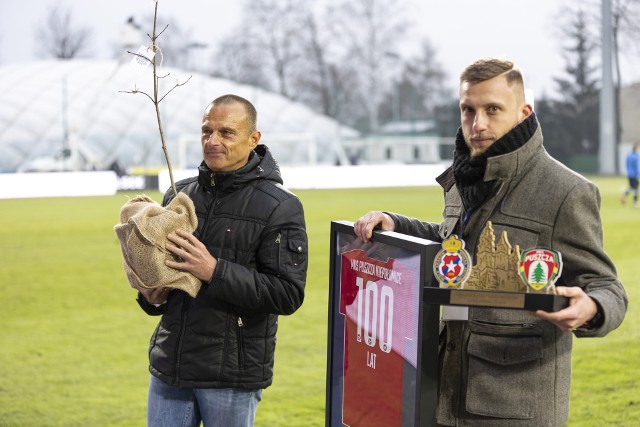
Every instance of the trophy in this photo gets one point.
(501, 277)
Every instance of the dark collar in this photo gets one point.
(469, 172)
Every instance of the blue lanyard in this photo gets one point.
(465, 220)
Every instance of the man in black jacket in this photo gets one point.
(211, 356)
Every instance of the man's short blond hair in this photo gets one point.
(485, 69)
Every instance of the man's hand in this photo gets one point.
(194, 256)
(364, 226)
(581, 309)
(155, 295)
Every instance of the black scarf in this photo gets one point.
(469, 172)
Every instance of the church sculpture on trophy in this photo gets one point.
(503, 272)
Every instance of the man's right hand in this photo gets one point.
(365, 225)
(155, 295)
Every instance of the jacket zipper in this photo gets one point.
(203, 226)
(278, 239)
(240, 343)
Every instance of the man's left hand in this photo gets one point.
(581, 309)
(194, 256)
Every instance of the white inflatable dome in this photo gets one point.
(78, 107)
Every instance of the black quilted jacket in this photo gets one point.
(226, 336)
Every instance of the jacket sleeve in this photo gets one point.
(277, 283)
(415, 227)
(150, 309)
(579, 238)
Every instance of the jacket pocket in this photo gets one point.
(292, 251)
(160, 355)
(504, 372)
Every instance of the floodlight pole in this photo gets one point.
(65, 122)
(608, 145)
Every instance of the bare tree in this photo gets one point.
(314, 81)
(340, 57)
(626, 35)
(421, 87)
(626, 30)
(264, 53)
(571, 122)
(422, 94)
(238, 59)
(322, 81)
(281, 24)
(282, 51)
(59, 37)
(370, 32)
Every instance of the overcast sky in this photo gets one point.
(461, 30)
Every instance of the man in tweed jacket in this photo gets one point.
(506, 367)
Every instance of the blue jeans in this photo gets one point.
(170, 406)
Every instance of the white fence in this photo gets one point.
(320, 176)
(106, 183)
(58, 184)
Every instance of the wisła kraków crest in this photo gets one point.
(452, 265)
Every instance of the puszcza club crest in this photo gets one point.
(540, 268)
(452, 265)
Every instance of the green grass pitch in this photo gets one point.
(73, 342)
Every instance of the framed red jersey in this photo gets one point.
(383, 340)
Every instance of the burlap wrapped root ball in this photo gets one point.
(143, 229)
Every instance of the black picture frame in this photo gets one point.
(404, 395)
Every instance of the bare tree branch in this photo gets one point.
(175, 86)
(135, 90)
(141, 56)
(156, 98)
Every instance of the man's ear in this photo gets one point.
(525, 111)
(255, 139)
